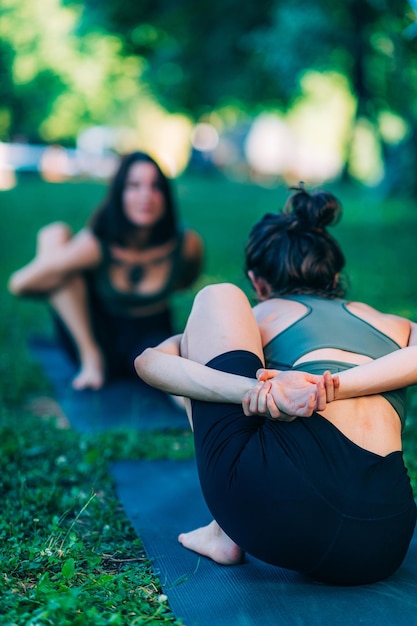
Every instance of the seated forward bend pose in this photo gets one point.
(110, 284)
(326, 495)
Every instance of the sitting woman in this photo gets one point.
(327, 495)
(110, 285)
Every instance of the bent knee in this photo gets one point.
(223, 291)
(53, 235)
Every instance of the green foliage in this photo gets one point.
(57, 80)
(69, 556)
(68, 65)
(257, 52)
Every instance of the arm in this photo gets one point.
(47, 271)
(393, 371)
(266, 397)
(162, 367)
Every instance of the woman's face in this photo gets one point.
(143, 200)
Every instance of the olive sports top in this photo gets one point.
(328, 323)
(120, 302)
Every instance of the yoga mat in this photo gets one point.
(163, 498)
(119, 404)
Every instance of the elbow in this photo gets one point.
(141, 363)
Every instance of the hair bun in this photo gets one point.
(314, 210)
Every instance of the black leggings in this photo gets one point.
(300, 494)
(121, 338)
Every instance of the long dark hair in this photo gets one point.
(110, 223)
(293, 251)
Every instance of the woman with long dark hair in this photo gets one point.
(110, 285)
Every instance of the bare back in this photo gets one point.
(370, 422)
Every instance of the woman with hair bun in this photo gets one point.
(291, 476)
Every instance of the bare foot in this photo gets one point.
(91, 374)
(212, 542)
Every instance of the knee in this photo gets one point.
(220, 291)
(213, 299)
(53, 235)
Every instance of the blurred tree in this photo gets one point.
(89, 62)
(363, 40)
(199, 55)
(54, 81)
(205, 55)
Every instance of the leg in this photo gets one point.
(71, 304)
(221, 320)
(212, 542)
(70, 301)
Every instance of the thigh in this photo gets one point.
(288, 492)
(252, 487)
(367, 550)
(220, 321)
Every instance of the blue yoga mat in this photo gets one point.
(119, 404)
(163, 498)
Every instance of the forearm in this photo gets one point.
(393, 371)
(180, 376)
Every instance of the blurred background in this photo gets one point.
(271, 91)
(237, 100)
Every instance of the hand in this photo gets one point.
(290, 394)
(331, 382)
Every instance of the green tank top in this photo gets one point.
(328, 323)
(119, 302)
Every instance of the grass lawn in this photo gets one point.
(69, 556)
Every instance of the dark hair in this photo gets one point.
(110, 223)
(293, 251)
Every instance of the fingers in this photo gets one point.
(332, 384)
(329, 386)
(297, 393)
(273, 410)
(255, 401)
(321, 396)
(266, 374)
(336, 386)
(245, 404)
(258, 402)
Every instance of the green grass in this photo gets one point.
(69, 555)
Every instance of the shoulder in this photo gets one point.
(278, 308)
(192, 244)
(396, 327)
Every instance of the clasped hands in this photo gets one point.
(286, 395)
